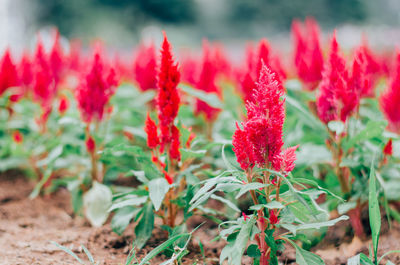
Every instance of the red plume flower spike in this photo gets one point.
(241, 147)
(207, 84)
(151, 130)
(17, 137)
(145, 67)
(336, 100)
(95, 90)
(168, 99)
(8, 73)
(308, 57)
(388, 148)
(56, 59)
(390, 99)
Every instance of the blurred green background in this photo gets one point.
(123, 22)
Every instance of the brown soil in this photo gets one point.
(27, 227)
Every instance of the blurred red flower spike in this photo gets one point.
(388, 148)
(151, 130)
(145, 67)
(8, 72)
(17, 137)
(90, 145)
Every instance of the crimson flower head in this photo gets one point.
(388, 148)
(95, 89)
(56, 59)
(390, 98)
(260, 141)
(8, 72)
(373, 70)
(145, 67)
(25, 68)
(150, 128)
(189, 69)
(207, 83)
(168, 99)
(337, 99)
(308, 58)
(44, 88)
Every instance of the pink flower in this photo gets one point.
(17, 137)
(245, 216)
(273, 219)
(63, 105)
(145, 67)
(337, 99)
(288, 159)
(390, 99)
(168, 99)
(242, 148)
(308, 57)
(207, 83)
(95, 89)
(151, 130)
(56, 59)
(90, 144)
(8, 73)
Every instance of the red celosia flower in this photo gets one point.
(221, 60)
(63, 105)
(44, 88)
(151, 130)
(56, 59)
(207, 83)
(90, 144)
(288, 159)
(95, 90)
(245, 216)
(174, 152)
(145, 67)
(242, 149)
(8, 73)
(389, 100)
(273, 219)
(388, 149)
(169, 179)
(337, 99)
(17, 137)
(168, 98)
(189, 69)
(25, 68)
(373, 70)
(308, 57)
(74, 56)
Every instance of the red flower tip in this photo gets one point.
(95, 90)
(242, 148)
(169, 179)
(245, 216)
(8, 72)
(174, 152)
(337, 99)
(90, 144)
(151, 130)
(145, 67)
(388, 148)
(389, 100)
(207, 83)
(308, 57)
(63, 105)
(273, 219)
(288, 159)
(56, 59)
(17, 137)
(191, 137)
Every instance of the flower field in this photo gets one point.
(162, 156)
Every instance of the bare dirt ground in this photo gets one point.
(27, 227)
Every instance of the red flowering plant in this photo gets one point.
(265, 176)
(165, 191)
(336, 126)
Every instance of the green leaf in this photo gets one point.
(250, 186)
(371, 130)
(225, 201)
(387, 253)
(253, 251)
(360, 259)
(53, 155)
(270, 205)
(162, 247)
(68, 251)
(336, 126)
(235, 252)
(122, 218)
(374, 212)
(304, 257)
(145, 226)
(157, 190)
(187, 153)
(210, 98)
(97, 201)
(317, 225)
(35, 192)
(88, 254)
(128, 200)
